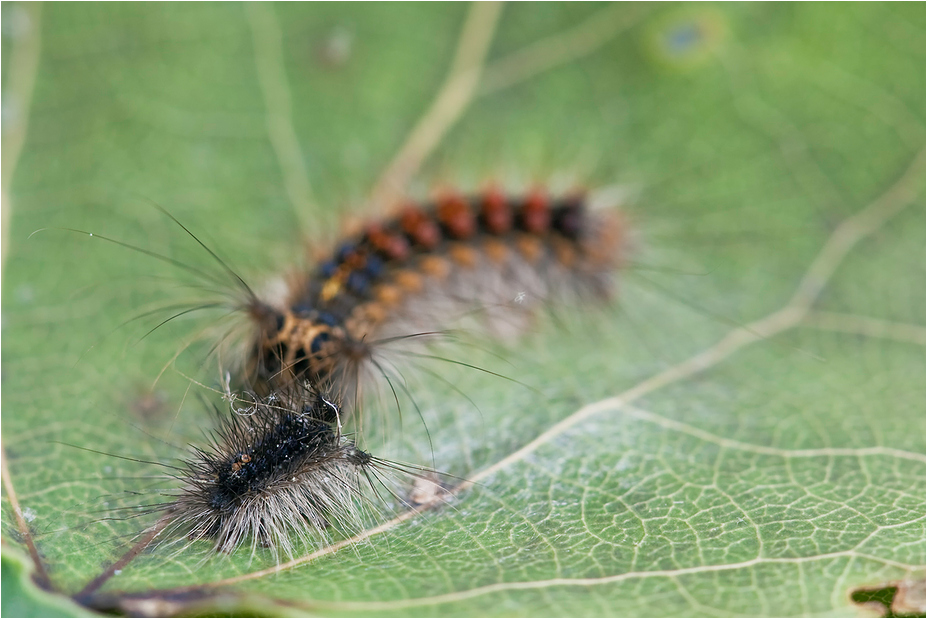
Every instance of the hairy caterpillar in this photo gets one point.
(489, 259)
(277, 474)
(277, 466)
(491, 256)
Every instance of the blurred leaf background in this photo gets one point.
(741, 138)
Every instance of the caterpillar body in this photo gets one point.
(491, 255)
(278, 473)
(277, 467)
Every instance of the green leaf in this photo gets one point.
(742, 432)
(22, 598)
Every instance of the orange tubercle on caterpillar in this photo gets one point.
(412, 275)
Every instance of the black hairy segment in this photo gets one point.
(278, 471)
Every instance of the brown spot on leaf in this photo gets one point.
(149, 405)
(900, 598)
